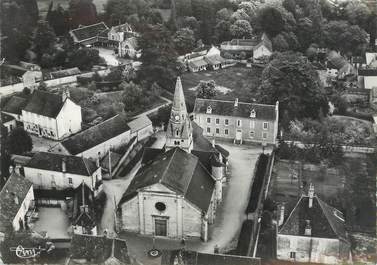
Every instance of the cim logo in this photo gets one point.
(28, 253)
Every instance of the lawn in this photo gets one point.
(242, 83)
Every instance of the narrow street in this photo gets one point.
(114, 190)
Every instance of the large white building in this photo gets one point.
(49, 171)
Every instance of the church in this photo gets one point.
(176, 191)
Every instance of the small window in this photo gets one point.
(253, 114)
(217, 131)
(217, 121)
(208, 130)
(208, 120)
(226, 131)
(292, 255)
(176, 133)
(239, 123)
(264, 135)
(226, 122)
(70, 181)
(265, 125)
(252, 134)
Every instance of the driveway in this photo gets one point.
(231, 213)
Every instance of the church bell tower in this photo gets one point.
(179, 131)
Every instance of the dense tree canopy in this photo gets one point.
(18, 142)
(292, 81)
(84, 58)
(159, 57)
(184, 40)
(206, 89)
(241, 29)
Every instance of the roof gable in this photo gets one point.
(45, 104)
(16, 186)
(15, 105)
(323, 219)
(88, 32)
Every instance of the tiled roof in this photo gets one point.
(53, 162)
(197, 63)
(325, 221)
(45, 104)
(16, 185)
(150, 154)
(15, 105)
(179, 171)
(227, 108)
(99, 249)
(5, 118)
(170, 257)
(96, 135)
(336, 60)
(139, 123)
(122, 28)
(214, 59)
(242, 42)
(88, 32)
(65, 72)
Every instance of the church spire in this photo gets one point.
(179, 131)
(179, 98)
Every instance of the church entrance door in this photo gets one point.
(160, 226)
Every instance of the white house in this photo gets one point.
(16, 198)
(49, 171)
(51, 115)
(96, 141)
(263, 48)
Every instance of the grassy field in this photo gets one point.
(242, 82)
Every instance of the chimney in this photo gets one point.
(213, 142)
(66, 94)
(311, 195)
(64, 165)
(17, 169)
(281, 214)
(10, 169)
(277, 106)
(308, 228)
(236, 103)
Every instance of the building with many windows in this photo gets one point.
(237, 121)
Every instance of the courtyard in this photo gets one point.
(57, 227)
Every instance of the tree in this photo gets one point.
(19, 142)
(270, 20)
(82, 12)
(341, 36)
(191, 23)
(241, 29)
(134, 97)
(42, 86)
(357, 13)
(240, 14)
(58, 20)
(44, 39)
(159, 57)
(206, 89)
(222, 31)
(290, 79)
(184, 40)
(84, 58)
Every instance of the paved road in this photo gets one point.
(168, 102)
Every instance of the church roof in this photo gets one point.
(179, 171)
(325, 221)
(179, 98)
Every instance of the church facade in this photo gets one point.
(176, 191)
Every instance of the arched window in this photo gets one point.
(209, 110)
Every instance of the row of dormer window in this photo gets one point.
(253, 114)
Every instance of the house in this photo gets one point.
(52, 116)
(314, 232)
(49, 171)
(263, 48)
(88, 35)
(16, 198)
(14, 106)
(65, 73)
(185, 257)
(90, 249)
(336, 62)
(367, 75)
(197, 64)
(203, 59)
(237, 121)
(176, 191)
(99, 139)
(125, 39)
(256, 47)
(373, 98)
(29, 75)
(8, 122)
